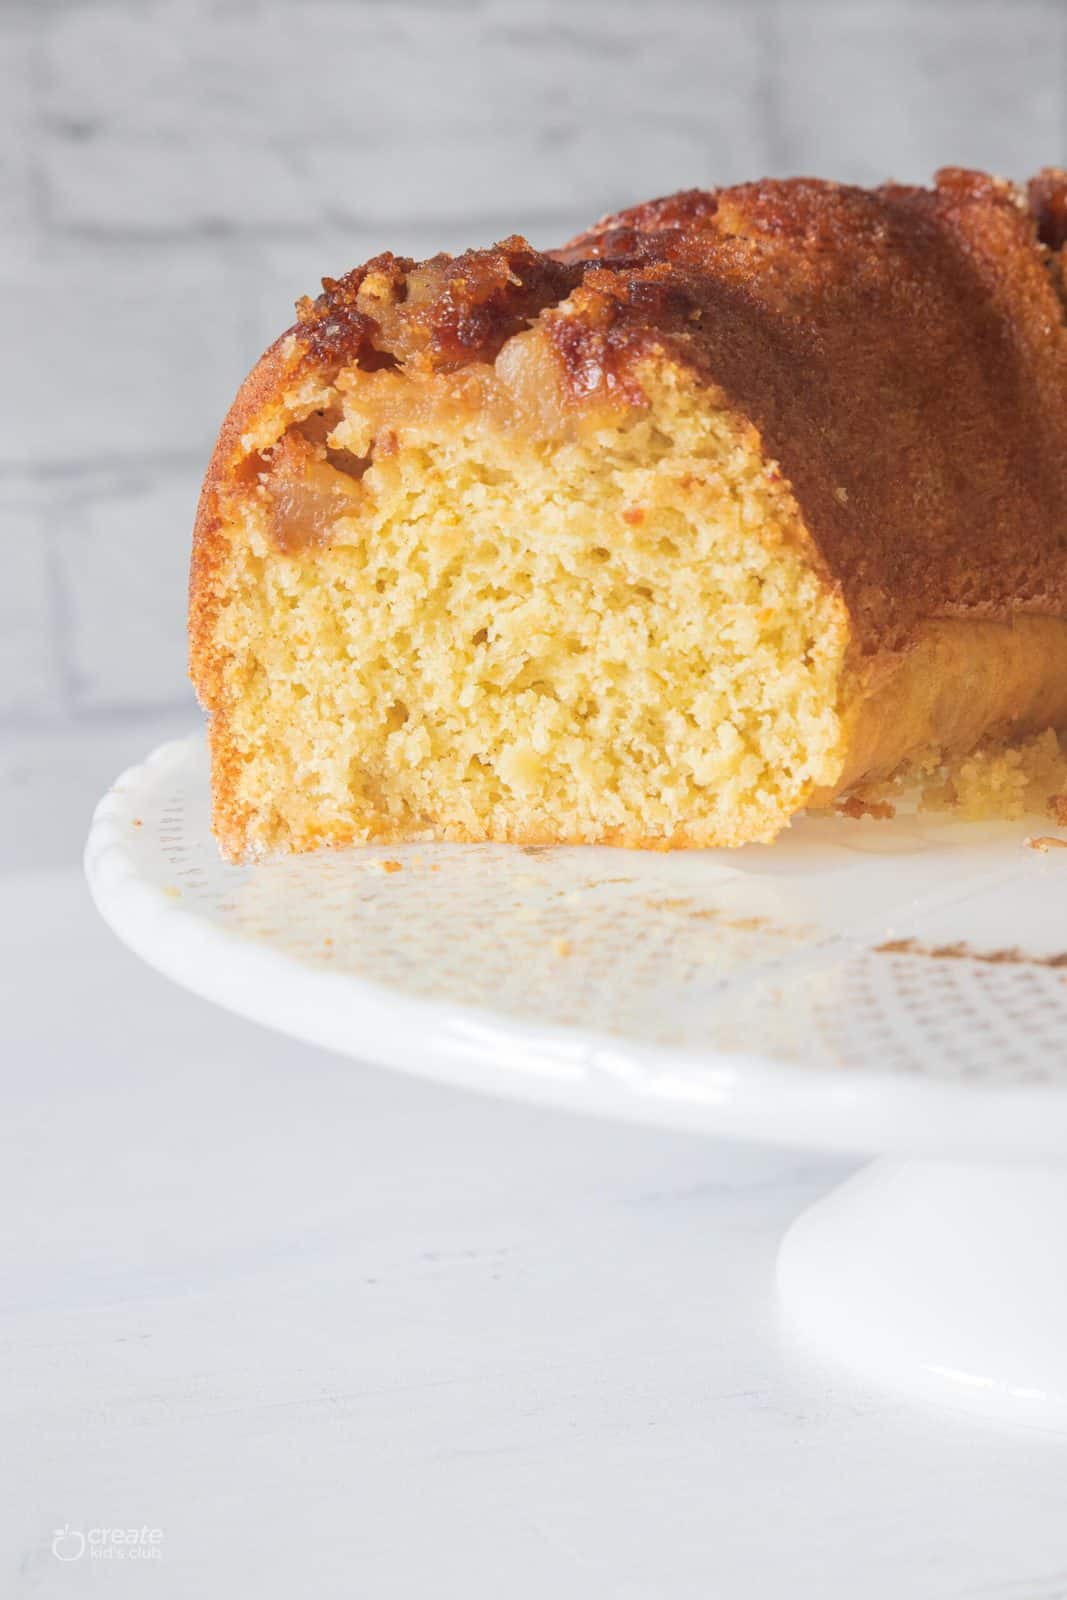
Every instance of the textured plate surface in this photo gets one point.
(874, 985)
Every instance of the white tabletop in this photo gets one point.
(335, 1332)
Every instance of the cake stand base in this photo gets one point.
(945, 1282)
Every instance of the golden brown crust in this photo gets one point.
(904, 357)
(958, 682)
(260, 393)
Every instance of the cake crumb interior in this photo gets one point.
(614, 632)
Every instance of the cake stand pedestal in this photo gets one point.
(941, 1280)
(896, 987)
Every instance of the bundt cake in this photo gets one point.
(740, 499)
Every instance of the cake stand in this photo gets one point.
(891, 987)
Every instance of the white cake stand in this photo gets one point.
(878, 986)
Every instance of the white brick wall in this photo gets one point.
(120, 349)
(30, 682)
(106, 523)
(173, 173)
(915, 84)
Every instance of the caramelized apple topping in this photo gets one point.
(309, 485)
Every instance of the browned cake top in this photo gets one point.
(903, 352)
(905, 356)
(440, 313)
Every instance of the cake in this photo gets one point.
(740, 500)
